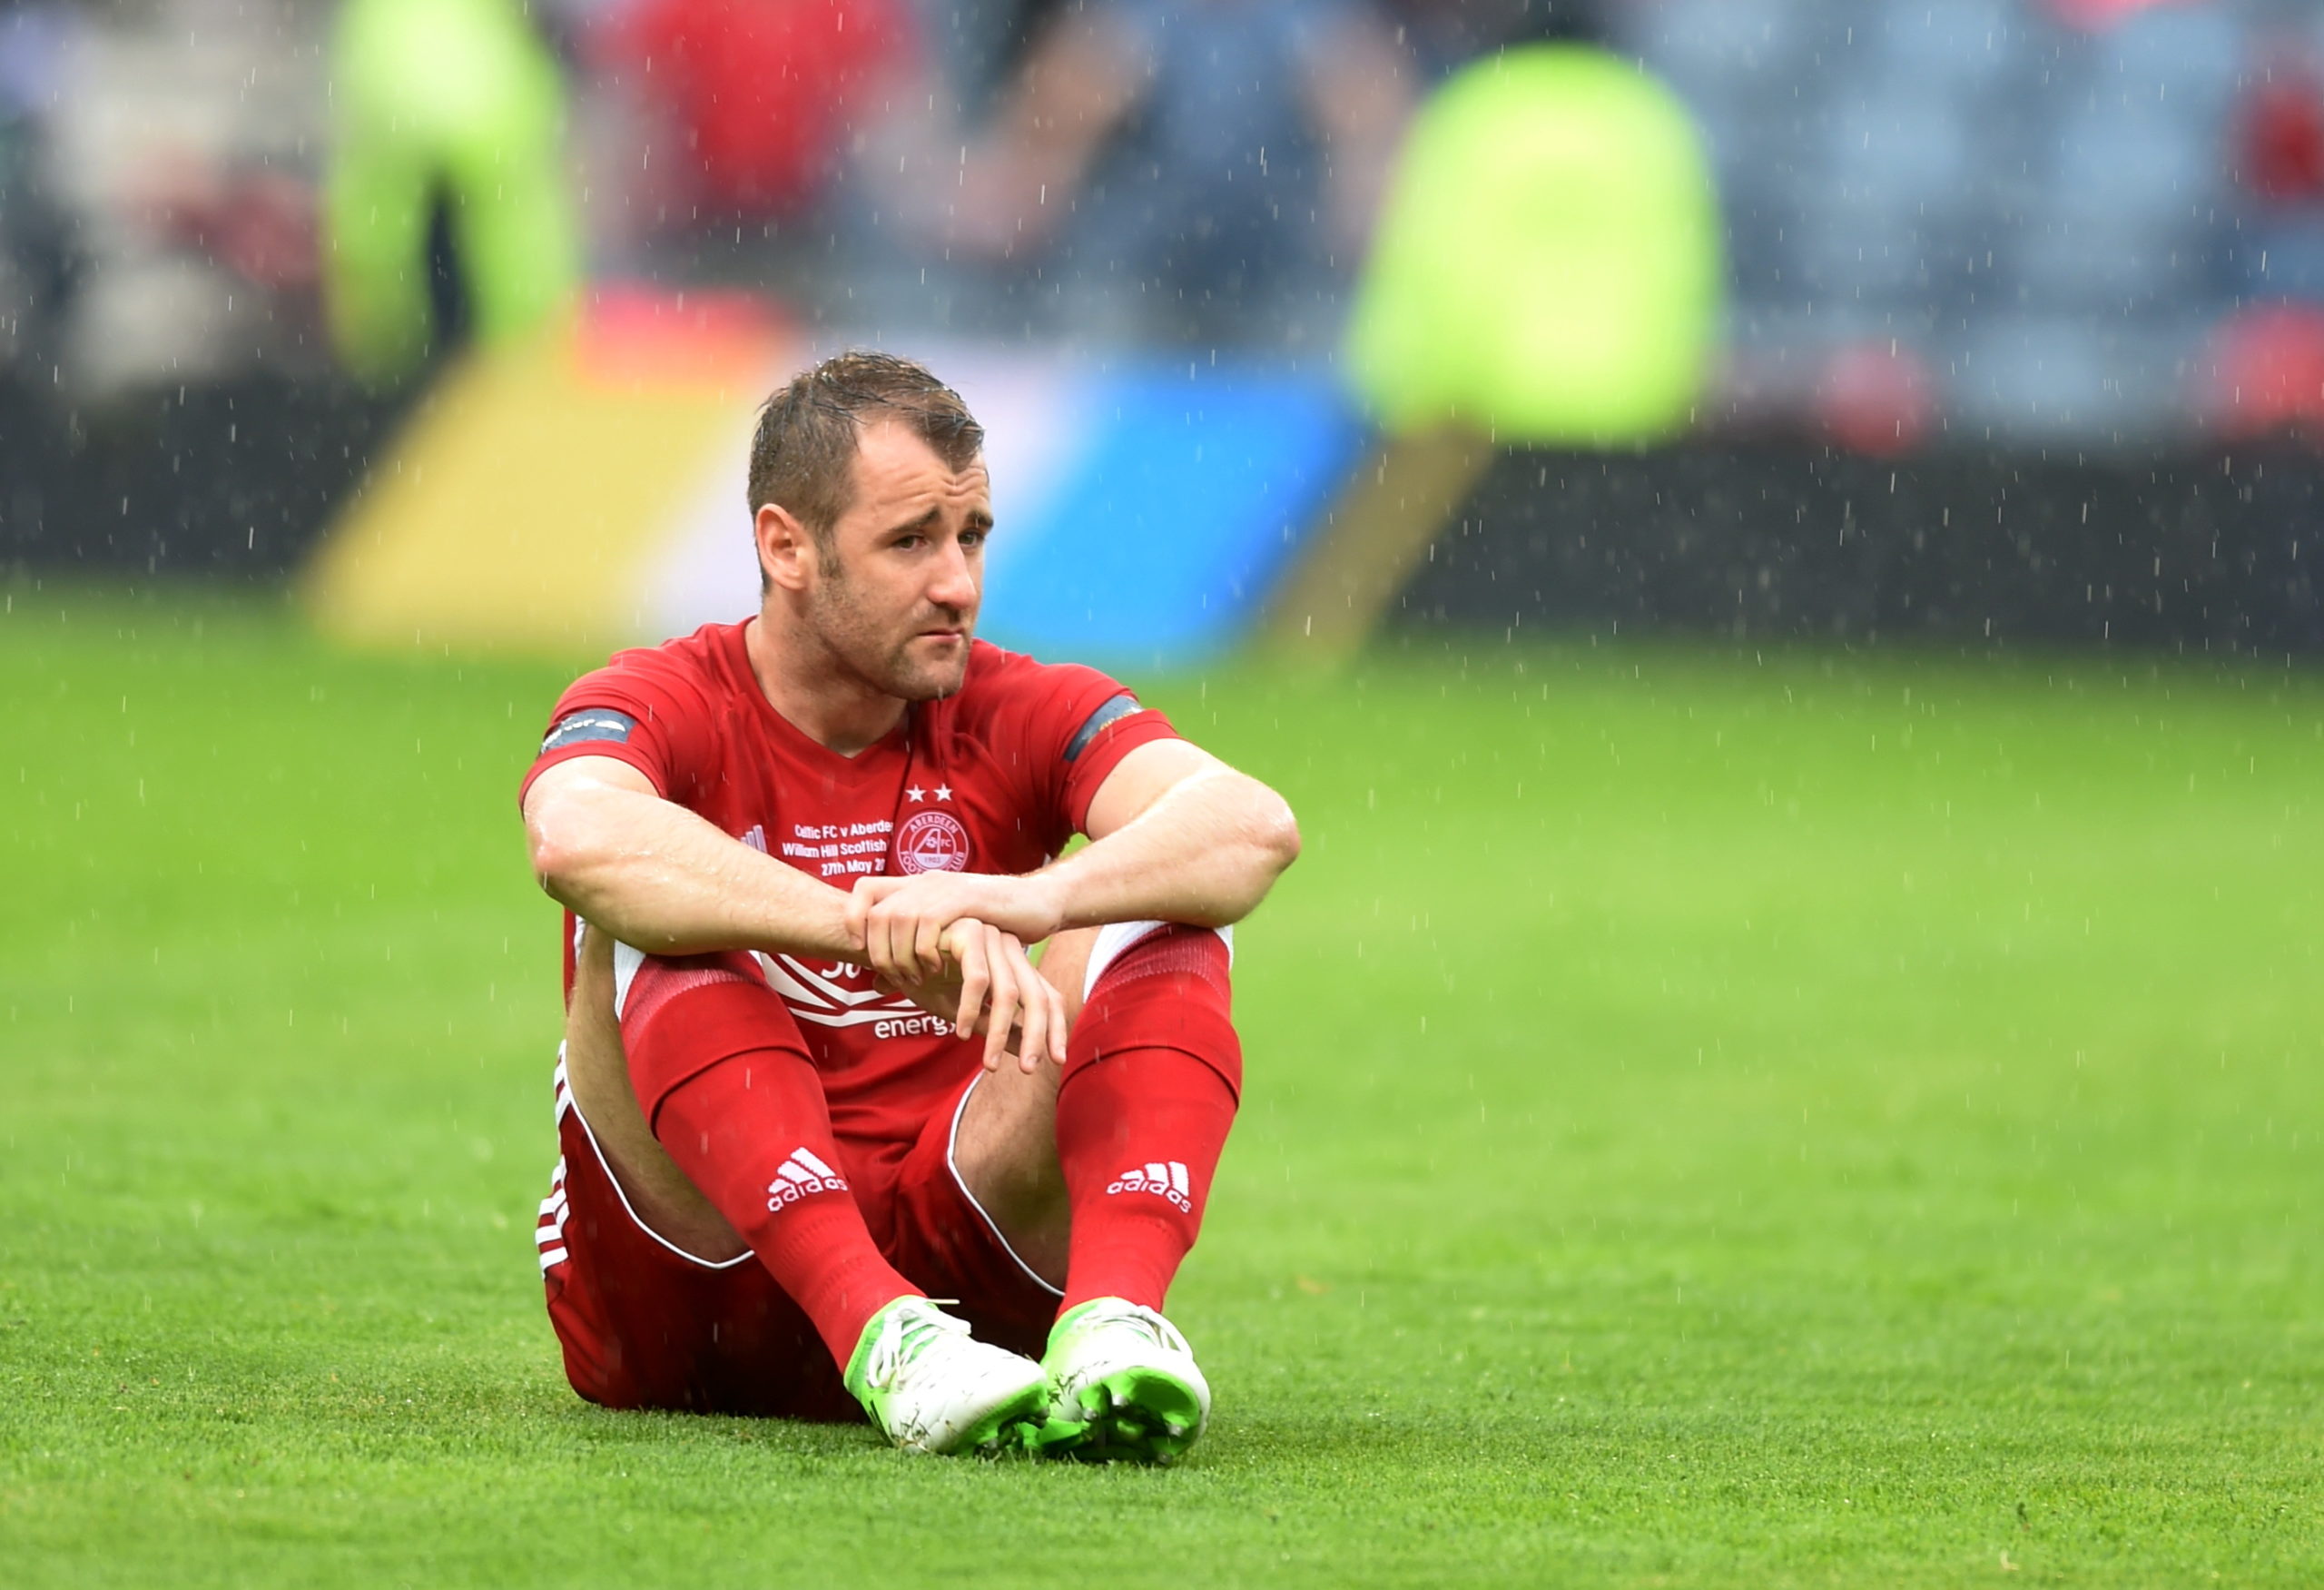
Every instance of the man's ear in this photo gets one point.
(786, 551)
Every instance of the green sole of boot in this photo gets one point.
(1007, 1427)
(1137, 1415)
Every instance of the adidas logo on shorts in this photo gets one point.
(1168, 1181)
(800, 1174)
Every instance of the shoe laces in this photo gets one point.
(1148, 1323)
(906, 1334)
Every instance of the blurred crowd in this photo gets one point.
(2071, 218)
(187, 186)
(2077, 221)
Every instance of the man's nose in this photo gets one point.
(955, 584)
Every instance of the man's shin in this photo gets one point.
(727, 1085)
(1152, 1079)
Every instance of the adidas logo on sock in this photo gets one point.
(800, 1174)
(1169, 1180)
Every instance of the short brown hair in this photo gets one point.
(803, 455)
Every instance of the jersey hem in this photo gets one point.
(614, 1181)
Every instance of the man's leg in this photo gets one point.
(723, 1077)
(724, 1081)
(1106, 1167)
(1152, 1079)
(1005, 1149)
(1154, 1065)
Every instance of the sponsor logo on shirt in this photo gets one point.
(932, 842)
(822, 999)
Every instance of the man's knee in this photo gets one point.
(1010, 1117)
(1064, 965)
(681, 1014)
(1160, 985)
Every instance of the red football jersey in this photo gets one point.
(993, 779)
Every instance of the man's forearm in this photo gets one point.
(661, 879)
(1206, 854)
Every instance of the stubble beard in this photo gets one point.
(859, 647)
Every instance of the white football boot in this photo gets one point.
(930, 1387)
(1124, 1384)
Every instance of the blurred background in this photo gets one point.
(1989, 319)
(1794, 1050)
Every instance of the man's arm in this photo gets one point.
(660, 879)
(1175, 834)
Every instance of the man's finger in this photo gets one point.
(1044, 1018)
(888, 948)
(927, 952)
(1052, 1002)
(1058, 1032)
(1033, 1037)
(976, 977)
(875, 946)
(1007, 998)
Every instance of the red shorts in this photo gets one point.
(645, 1325)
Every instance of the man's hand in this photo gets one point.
(901, 921)
(984, 982)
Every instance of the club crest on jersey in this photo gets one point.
(932, 842)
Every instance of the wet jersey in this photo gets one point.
(992, 779)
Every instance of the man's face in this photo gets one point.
(896, 601)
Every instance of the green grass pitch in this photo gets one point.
(1715, 1118)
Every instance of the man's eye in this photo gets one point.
(972, 537)
(911, 543)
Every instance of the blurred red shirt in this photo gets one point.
(2282, 137)
(2097, 16)
(764, 94)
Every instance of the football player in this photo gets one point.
(829, 1139)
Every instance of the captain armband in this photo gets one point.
(587, 724)
(1112, 712)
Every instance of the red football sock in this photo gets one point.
(726, 1084)
(1152, 1076)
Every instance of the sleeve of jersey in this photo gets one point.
(1090, 723)
(625, 712)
